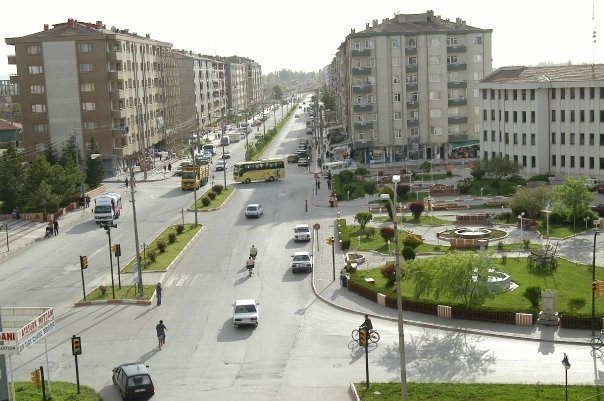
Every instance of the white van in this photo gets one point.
(210, 147)
(335, 167)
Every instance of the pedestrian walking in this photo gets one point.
(169, 166)
(161, 329)
(329, 184)
(158, 291)
(126, 182)
(18, 213)
(55, 226)
(87, 199)
(318, 184)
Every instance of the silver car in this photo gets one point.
(254, 210)
(301, 232)
(245, 312)
(301, 261)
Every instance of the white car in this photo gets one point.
(245, 312)
(254, 210)
(301, 232)
(221, 165)
(301, 261)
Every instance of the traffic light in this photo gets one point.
(362, 337)
(76, 346)
(329, 241)
(35, 377)
(117, 250)
(597, 287)
(84, 262)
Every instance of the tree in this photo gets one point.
(43, 198)
(52, 156)
(572, 198)
(387, 232)
(277, 93)
(457, 276)
(530, 200)
(13, 169)
(327, 98)
(363, 218)
(68, 153)
(402, 190)
(498, 167)
(416, 208)
(95, 171)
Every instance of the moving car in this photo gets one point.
(226, 154)
(292, 158)
(301, 261)
(133, 381)
(221, 165)
(308, 131)
(301, 232)
(245, 312)
(254, 210)
(180, 167)
(303, 161)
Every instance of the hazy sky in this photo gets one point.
(304, 35)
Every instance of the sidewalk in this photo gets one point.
(327, 286)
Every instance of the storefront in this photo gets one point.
(468, 149)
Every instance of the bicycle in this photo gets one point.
(597, 342)
(374, 336)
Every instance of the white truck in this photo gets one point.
(107, 207)
(234, 136)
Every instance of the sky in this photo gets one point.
(304, 35)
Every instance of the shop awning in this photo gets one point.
(339, 144)
(464, 144)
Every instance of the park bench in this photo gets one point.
(480, 219)
(465, 243)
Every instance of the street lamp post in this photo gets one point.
(399, 300)
(566, 365)
(521, 217)
(108, 228)
(593, 287)
(547, 211)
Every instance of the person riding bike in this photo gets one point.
(249, 264)
(253, 252)
(367, 325)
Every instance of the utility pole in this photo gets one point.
(136, 243)
(77, 158)
(3, 378)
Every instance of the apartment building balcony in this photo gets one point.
(362, 88)
(411, 50)
(361, 71)
(362, 107)
(12, 59)
(457, 67)
(411, 68)
(118, 113)
(458, 136)
(14, 79)
(411, 86)
(458, 120)
(457, 49)
(412, 122)
(457, 84)
(460, 101)
(412, 104)
(363, 125)
(361, 53)
(114, 95)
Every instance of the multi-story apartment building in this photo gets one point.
(202, 90)
(85, 80)
(7, 89)
(549, 119)
(409, 86)
(244, 79)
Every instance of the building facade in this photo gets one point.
(409, 86)
(549, 119)
(86, 80)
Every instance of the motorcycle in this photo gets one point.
(250, 268)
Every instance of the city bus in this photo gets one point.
(259, 170)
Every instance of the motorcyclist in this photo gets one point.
(253, 252)
(249, 264)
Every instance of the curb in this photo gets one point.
(115, 302)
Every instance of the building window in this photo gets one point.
(553, 160)
(581, 162)
(397, 97)
(395, 62)
(515, 138)
(533, 139)
(452, 41)
(434, 60)
(582, 116)
(581, 93)
(411, 79)
(524, 116)
(36, 69)
(373, 116)
(553, 138)
(452, 59)
(38, 108)
(435, 113)
(84, 47)
(34, 49)
(398, 133)
(532, 117)
(553, 93)
(572, 93)
(572, 161)
(591, 139)
(357, 63)
(395, 43)
(412, 60)
(434, 95)
(592, 116)
(396, 79)
(562, 116)
(602, 116)
(414, 131)
(553, 115)
(523, 161)
(436, 130)
(485, 137)
(592, 93)
(562, 138)
(581, 139)
(477, 58)
(358, 100)
(371, 62)
(88, 106)
(506, 116)
(397, 115)
(492, 136)
(434, 42)
(514, 116)
(86, 67)
(591, 163)
(533, 161)
(87, 87)
(372, 98)
(507, 138)
(484, 115)
(572, 138)
(89, 125)
(524, 139)
(477, 40)
(40, 128)
(356, 45)
(369, 44)
(434, 78)
(36, 89)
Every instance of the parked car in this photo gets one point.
(308, 131)
(296, 115)
(600, 188)
(254, 210)
(221, 165)
(303, 161)
(293, 158)
(301, 261)
(245, 312)
(301, 232)
(599, 209)
(133, 381)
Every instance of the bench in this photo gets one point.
(481, 219)
(463, 243)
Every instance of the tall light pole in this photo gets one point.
(593, 287)
(566, 365)
(399, 300)
(521, 217)
(136, 243)
(108, 228)
(547, 211)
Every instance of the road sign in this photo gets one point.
(316, 226)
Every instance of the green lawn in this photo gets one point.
(172, 250)
(570, 280)
(128, 291)
(217, 202)
(474, 392)
(61, 391)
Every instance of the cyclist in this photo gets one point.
(367, 325)
(161, 333)
(253, 252)
(249, 265)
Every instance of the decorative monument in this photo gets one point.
(548, 316)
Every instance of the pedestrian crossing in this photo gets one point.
(173, 280)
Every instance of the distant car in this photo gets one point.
(303, 161)
(292, 158)
(301, 261)
(600, 188)
(245, 312)
(599, 209)
(296, 115)
(221, 165)
(203, 159)
(308, 131)
(301, 232)
(133, 381)
(226, 154)
(180, 167)
(254, 210)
